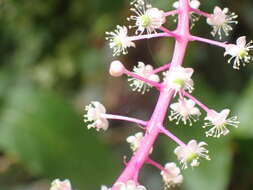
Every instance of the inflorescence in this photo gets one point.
(177, 83)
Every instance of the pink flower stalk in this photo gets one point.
(177, 84)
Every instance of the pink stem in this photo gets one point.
(152, 83)
(155, 164)
(118, 117)
(199, 12)
(141, 155)
(136, 175)
(169, 13)
(162, 68)
(162, 28)
(148, 36)
(173, 137)
(159, 114)
(181, 97)
(212, 42)
(204, 107)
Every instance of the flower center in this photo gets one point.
(219, 123)
(179, 82)
(219, 19)
(243, 53)
(145, 21)
(117, 42)
(192, 157)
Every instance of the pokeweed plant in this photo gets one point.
(176, 84)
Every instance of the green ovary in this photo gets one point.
(179, 82)
(145, 21)
(243, 53)
(117, 42)
(192, 157)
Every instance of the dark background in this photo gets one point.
(54, 61)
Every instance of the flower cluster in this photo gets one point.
(176, 86)
(185, 110)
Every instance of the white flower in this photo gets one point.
(195, 4)
(221, 20)
(147, 18)
(219, 123)
(94, 117)
(135, 141)
(144, 71)
(60, 185)
(191, 153)
(179, 78)
(129, 185)
(119, 40)
(103, 187)
(239, 52)
(184, 110)
(172, 176)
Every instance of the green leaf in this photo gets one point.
(244, 111)
(43, 132)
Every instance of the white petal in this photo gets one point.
(195, 4)
(195, 111)
(139, 135)
(241, 41)
(225, 112)
(195, 163)
(131, 139)
(140, 187)
(232, 50)
(154, 78)
(121, 186)
(103, 187)
(178, 179)
(192, 143)
(189, 72)
(176, 4)
(217, 10)
(131, 185)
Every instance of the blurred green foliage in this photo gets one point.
(54, 60)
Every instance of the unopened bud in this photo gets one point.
(116, 69)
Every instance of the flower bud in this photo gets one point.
(116, 69)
